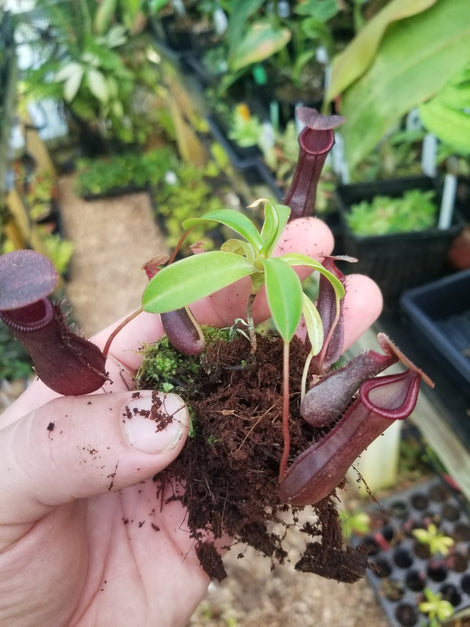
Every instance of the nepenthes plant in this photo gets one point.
(276, 422)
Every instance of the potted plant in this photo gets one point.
(391, 227)
(275, 425)
(124, 173)
(99, 70)
(188, 191)
(238, 130)
(376, 78)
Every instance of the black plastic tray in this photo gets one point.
(440, 314)
(401, 572)
(397, 261)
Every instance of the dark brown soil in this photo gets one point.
(230, 465)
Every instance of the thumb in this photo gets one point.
(82, 446)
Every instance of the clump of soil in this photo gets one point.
(229, 466)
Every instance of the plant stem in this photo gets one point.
(178, 246)
(251, 324)
(119, 328)
(303, 385)
(285, 411)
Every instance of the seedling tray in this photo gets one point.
(401, 572)
(440, 313)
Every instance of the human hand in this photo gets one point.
(86, 536)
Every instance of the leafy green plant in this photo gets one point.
(179, 284)
(262, 37)
(134, 170)
(58, 249)
(447, 115)
(414, 211)
(37, 189)
(94, 60)
(397, 155)
(245, 129)
(15, 362)
(380, 78)
(187, 191)
(357, 522)
(254, 33)
(435, 539)
(436, 608)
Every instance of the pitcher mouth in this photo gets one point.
(30, 318)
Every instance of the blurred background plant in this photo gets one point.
(95, 59)
(379, 77)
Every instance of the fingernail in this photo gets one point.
(155, 422)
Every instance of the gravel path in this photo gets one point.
(113, 239)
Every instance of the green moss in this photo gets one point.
(167, 370)
(164, 368)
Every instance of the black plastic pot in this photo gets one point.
(401, 260)
(400, 571)
(440, 314)
(240, 157)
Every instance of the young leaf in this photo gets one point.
(239, 247)
(185, 281)
(313, 323)
(298, 259)
(284, 293)
(275, 220)
(270, 226)
(233, 219)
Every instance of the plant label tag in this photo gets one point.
(428, 156)
(339, 164)
(448, 200)
(220, 21)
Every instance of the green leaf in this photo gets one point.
(260, 42)
(298, 259)
(103, 16)
(117, 109)
(116, 36)
(447, 115)
(156, 5)
(68, 70)
(322, 11)
(284, 293)
(192, 278)
(72, 84)
(98, 85)
(239, 247)
(354, 60)
(270, 227)
(313, 323)
(275, 220)
(399, 79)
(233, 219)
(238, 22)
